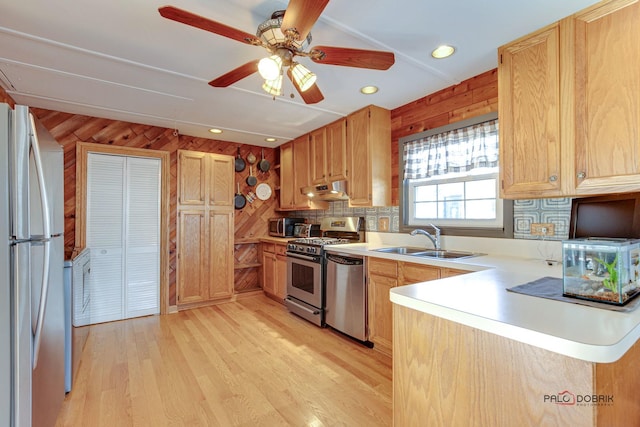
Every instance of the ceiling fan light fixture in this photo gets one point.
(303, 77)
(443, 51)
(273, 87)
(269, 67)
(270, 33)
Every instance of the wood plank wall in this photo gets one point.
(5, 98)
(473, 97)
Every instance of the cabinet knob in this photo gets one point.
(553, 178)
(581, 175)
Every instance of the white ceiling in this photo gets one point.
(120, 59)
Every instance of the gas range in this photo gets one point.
(334, 231)
(314, 245)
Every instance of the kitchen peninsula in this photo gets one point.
(468, 352)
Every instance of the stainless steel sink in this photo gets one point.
(445, 254)
(401, 250)
(427, 253)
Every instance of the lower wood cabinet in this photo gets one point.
(380, 311)
(274, 270)
(384, 274)
(205, 258)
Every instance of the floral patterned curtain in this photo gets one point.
(458, 150)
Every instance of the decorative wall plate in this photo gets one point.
(263, 191)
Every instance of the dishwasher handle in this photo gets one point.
(345, 260)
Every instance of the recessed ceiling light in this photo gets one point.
(214, 130)
(443, 51)
(271, 139)
(369, 90)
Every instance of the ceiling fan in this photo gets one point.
(285, 35)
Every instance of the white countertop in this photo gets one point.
(480, 300)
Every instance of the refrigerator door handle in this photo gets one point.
(37, 334)
(46, 229)
(35, 145)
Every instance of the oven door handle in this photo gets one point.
(303, 257)
(302, 307)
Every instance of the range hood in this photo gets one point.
(335, 190)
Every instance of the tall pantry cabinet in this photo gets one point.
(205, 227)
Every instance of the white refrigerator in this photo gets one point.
(31, 271)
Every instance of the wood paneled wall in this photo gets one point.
(473, 97)
(5, 98)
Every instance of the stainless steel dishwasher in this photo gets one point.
(346, 295)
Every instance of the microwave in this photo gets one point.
(283, 227)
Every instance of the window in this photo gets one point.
(450, 179)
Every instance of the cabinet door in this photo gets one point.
(301, 170)
(381, 312)
(193, 265)
(318, 156)
(607, 99)
(191, 178)
(286, 176)
(281, 277)
(220, 277)
(529, 108)
(336, 150)
(221, 173)
(359, 158)
(269, 272)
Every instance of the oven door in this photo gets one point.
(304, 278)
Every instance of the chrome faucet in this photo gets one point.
(434, 239)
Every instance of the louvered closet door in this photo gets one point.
(142, 237)
(123, 228)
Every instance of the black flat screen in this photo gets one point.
(606, 216)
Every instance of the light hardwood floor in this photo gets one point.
(246, 363)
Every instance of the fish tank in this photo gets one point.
(604, 270)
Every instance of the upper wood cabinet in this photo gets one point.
(318, 141)
(329, 152)
(221, 174)
(569, 106)
(607, 98)
(529, 112)
(205, 179)
(287, 183)
(294, 174)
(369, 157)
(192, 185)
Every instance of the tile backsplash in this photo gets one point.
(525, 212)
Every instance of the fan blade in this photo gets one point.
(235, 75)
(309, 96)
(359, 58)
(301, 15)
(206, 24)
